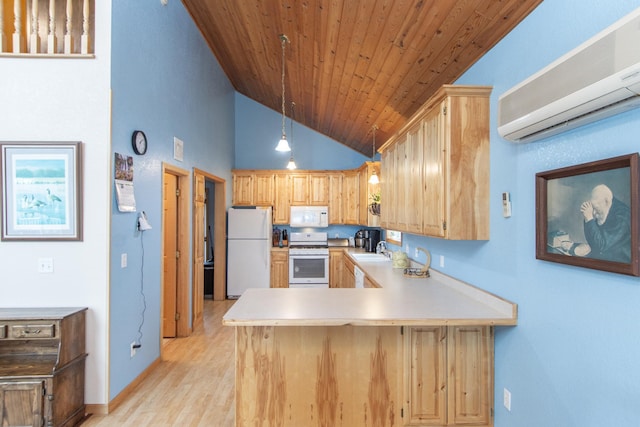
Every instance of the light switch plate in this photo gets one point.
(507, 399)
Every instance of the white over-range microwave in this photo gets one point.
(309, 216)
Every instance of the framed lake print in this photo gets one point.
(41, 184)
(587, 215)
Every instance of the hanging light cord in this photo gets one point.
(373, 152)
(283, 38)
(293, 104)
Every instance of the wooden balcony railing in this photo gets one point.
(47, 27)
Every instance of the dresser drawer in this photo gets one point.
(3, 331)
(33, 331)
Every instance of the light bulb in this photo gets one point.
(291, 165)
(283, 144)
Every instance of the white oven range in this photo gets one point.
(308, 260)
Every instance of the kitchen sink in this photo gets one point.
(370, 257)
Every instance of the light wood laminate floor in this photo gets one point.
(192, 386)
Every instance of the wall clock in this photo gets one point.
(139, 142)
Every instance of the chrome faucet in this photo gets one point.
(381, 248)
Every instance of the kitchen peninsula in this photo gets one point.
(416, 351)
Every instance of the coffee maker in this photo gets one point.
(372, 238)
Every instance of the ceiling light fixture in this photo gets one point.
(283, 145)
(373, 179)
(291, 165)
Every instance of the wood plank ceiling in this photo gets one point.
(351, 64)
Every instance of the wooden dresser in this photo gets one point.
(42, 362)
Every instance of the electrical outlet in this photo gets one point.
(416, 254)
(123, 260)
(441, 261)
(406, 249)
(133, 349)
(507, 399)
(45, 265)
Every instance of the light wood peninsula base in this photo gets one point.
(370, 376)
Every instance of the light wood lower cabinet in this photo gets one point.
(364, 376)
(449, 376)
(348, 276)
(336, 262)
(294, 376)
(279, 268)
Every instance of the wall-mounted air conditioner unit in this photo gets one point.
(598, 79)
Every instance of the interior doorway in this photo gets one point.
(209, 239)
(175, 252)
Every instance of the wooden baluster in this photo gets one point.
(2, 41)
(85, 28)
(68, 40)
(34, 39)
(51, 38)
(17, 24)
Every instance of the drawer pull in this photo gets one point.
(33, 331)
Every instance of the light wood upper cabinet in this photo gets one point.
(281, 202)
(299, 189)
(467, 165)
(351, 193)
(253, 188)
(433, 174)
(388, 192)
(345, 193)
(335, 198)
(449, 137)
(263, 189)
(242, 188)
(366, 189)
(414, 192)
(401, 183)
(319, 189)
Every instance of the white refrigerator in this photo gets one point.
(248, 249)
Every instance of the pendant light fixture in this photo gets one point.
(373, 179)
(291, 165)
(283, 145)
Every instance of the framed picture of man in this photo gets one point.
(587, 215)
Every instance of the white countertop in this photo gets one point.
(437, 300)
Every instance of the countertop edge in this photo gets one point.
(370, 322)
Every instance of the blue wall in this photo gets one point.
(573, 358)
(166, 82)
(258, 130)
